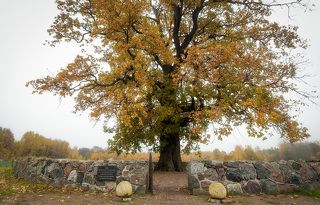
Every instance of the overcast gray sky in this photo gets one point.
(23, 57)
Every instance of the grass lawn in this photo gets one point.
(311, 193)
(9, 185)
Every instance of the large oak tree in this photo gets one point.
(167, 69)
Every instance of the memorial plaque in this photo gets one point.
(106, 173)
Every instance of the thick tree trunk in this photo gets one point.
(170, 158)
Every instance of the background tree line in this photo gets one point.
(285, 151)
(34, 144)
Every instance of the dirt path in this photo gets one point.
(156, 199)
(169, 188)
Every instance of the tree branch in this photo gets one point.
(195, 16)
(176, 27)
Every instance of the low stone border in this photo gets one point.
(254, 177)
(73, 173)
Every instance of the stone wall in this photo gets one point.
(254, 177)
(83, 174)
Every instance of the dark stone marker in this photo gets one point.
(80, 176)
(106, 173)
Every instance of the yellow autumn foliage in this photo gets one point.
(175, 67)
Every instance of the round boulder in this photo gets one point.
(217, 190)
(124, 189)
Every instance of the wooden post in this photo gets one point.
(150, 188)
